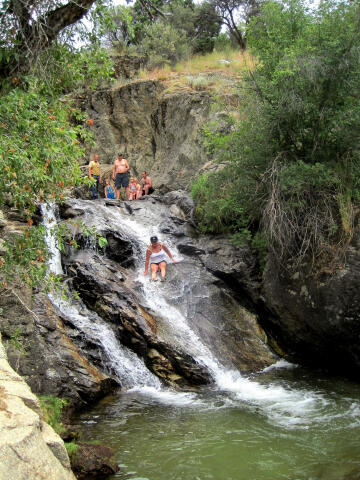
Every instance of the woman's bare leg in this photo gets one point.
(162, 266)
(154, 268)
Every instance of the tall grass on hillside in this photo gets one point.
(231, 63)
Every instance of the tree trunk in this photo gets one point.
(35, 36)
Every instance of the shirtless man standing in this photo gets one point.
(146, 182)
(120, 175)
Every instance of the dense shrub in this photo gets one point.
(163, 44)
(294, 157)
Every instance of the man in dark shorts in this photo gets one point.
(120, 175)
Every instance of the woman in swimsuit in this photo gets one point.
(132, 189)
(155, 254)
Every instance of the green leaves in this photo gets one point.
(102, 241)
(42, 136)
(38, 149)
(296, 150)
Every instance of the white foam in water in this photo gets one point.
(167, 397)
(280, 364)
(49, 220)
(286, 407)
(292, 408)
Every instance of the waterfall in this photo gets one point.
(126, 365)
(283, 405)
(49, 214)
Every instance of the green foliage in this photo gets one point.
(218, 207)
(121, 31)
(166, 31)
(200, 24)
(29, 31)
(223, 43)
(42, 135)
(71, 69)
(38, 147)
(16, 341)
(102, 242)
(41, 139)
(260, 247)
(163, 44)
(294, 157)
(71, 448)
(52, 410)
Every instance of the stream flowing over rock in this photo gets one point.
(40, 347)
(306, 316)
(172, 326)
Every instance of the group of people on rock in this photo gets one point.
(157, 252)
(120, 175)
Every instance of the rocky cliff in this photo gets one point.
(156, 130)
(314, 319)
(194, 289)
(29, 448)
(40, 347)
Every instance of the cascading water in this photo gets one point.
(284, 406)
(126, 365)
(283, 424)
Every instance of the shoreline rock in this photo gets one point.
(29, 448)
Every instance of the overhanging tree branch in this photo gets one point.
(37, 24)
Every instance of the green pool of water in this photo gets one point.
(285, 424)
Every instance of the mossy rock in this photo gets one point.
(91, 461)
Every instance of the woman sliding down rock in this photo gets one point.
(156, 255)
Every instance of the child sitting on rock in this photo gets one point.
(109, 191)
(138, 188)
(132, 189)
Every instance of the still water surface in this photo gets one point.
(283, 424)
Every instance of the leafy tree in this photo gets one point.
(195, 24)
(121, 33)
(199, 23)
(164, 44)
(42, 134)
(29, 27)
(295, 156)
(236, 14)
(207, 25)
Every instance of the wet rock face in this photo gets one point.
(200, 287)
(40, 347)
(119, 303)
(119, 250)
(315, 321)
